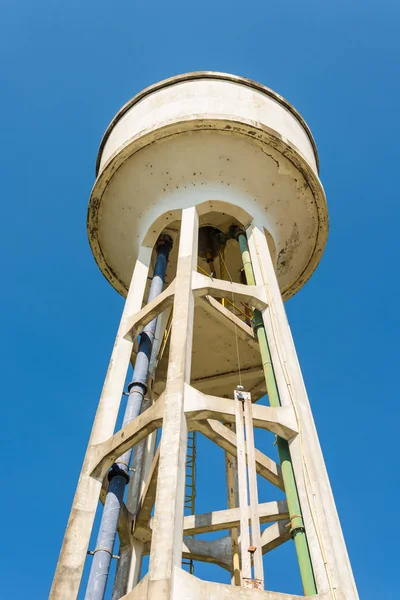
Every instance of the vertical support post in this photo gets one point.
(296, 518)
(330, 560)
(129, 565)
(76, 540)
(245, 446)
(233, 502)
(166, 547)
(119, 474)
(243, 491)
(255, 519)
(231, 469)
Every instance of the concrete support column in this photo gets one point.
(166, 547)
(328, 551)
(233, 501)
(130, 563)
(76, 540)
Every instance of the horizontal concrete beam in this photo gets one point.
(229, 518)
(199, 406)
(231, 377)
(136, 322)
(105, 454)
(275, 535)
(226, 439)
(253, 295)
(218, 552)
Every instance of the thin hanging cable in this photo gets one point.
(236, 335)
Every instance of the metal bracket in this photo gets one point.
(295, 528)
(253, 584)
(93, 552)
(240, 394)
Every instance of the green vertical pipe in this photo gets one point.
(289, 482)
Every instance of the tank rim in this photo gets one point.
(204, 75)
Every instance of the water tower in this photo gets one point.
(207, 214)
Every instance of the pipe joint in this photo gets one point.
(295, 530)
(116, 471)
(296, 525)
(235, 231)
(164, 243)
(137, 384)
(256, 320)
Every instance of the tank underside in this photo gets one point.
(231, 147)
(226, 171)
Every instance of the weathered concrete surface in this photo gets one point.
(229, 518)
(187, 587)
(196, 93)
(233, 148)
(208, 136)
(180, 406)
(231, 321)
(275, 535)
(105, 453)
(199, 406)
(226, 439)
(216, 372)
(217, 288)
(166, 547)
(207, 590)
(137, 322)
(217, 551)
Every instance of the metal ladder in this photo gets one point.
(190, 488)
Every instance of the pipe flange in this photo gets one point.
(116, 471)
(164, 240)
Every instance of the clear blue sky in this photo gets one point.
(66, 68)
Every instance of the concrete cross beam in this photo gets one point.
(229, 518)
(226, 439)
(199, 406)
(275, 535)
(217, 552)
(136, 322)
(104, 454)
(207, 383)
(218, 288)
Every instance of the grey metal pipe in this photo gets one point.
(118, 476)
(121, 580)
